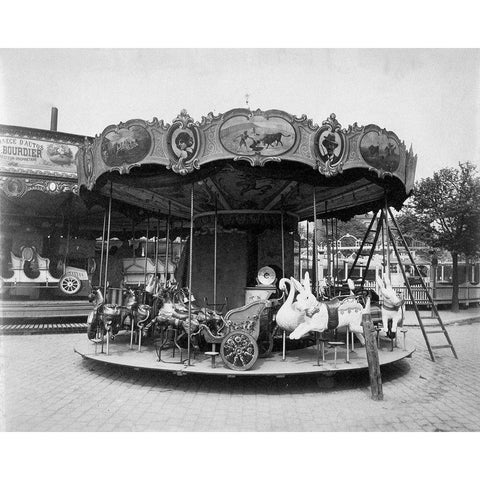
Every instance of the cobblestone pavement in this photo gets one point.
(45, 386)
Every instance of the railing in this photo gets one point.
(442, 296)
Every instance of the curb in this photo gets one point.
(460, 321)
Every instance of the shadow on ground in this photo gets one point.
(308, 383)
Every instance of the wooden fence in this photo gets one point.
(467, 294)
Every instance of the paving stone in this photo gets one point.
(47, 387)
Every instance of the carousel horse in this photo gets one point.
(392, 308)
(327, 315)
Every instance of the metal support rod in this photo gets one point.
(348, 345)
(385, 219)
(327, 243)
(108, 242)
(283, 344)
(101, 253)
(132, 322)
(156, 254)
(283, 244)
(331, 259)
(67, 247)
(190, 260)
(315, 251)
(336, 248)
(133, 238)
(146, 255)
(167, 248)
(299, 257)
(215, 245)
(108, 341)
(308, 246)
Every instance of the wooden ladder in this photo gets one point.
(436, 316)
(382, 222)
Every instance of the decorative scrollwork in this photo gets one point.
(183, 144)
(258, 160)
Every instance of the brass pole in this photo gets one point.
(385, 214)
(283, 244)
(308, 245)
(146, 256)
(108, 242)
(315, 252)
(190, 259)
(101, 254)
(167, 247)
(156, 254)
(215, 258)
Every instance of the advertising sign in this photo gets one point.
(42, 155)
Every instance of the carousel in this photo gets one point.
(235, 186)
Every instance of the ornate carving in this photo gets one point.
(258, 160)
(183, 144)
(18, 187)
(332, 123)
(183, 118)
(330, 147)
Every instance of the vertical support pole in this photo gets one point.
(283, 244)
(327, 243)
(190, 259)
(108, 243)
(156, 255)
(283, 344)
(372, 357)
(146, 256)
(336, 250)
(315, 251)
(215, 246)
(167, 247)
(348, 344)
(102, 252)
(299, 257)
(385, 219)
(133, 238)
(308, 247)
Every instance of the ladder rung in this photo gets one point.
(434, 331)
(429, 318)
(440, 346)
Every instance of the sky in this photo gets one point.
(428, 97)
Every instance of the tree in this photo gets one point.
(445, 210)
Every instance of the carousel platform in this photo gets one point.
(297, 362)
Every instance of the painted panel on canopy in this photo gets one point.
(257, 134)
(204, 199)
(380, 151)
(126, 145)
(243, 190)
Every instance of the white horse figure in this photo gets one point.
(329, 315)
(392, 308)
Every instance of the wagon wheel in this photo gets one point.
(265, 344)
(239, 350)
(69, 284)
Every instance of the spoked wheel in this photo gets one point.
(69, 284)
(265, 344)
(239, 350)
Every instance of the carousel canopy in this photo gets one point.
(247, 162)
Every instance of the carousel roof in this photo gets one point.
(259, 162)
